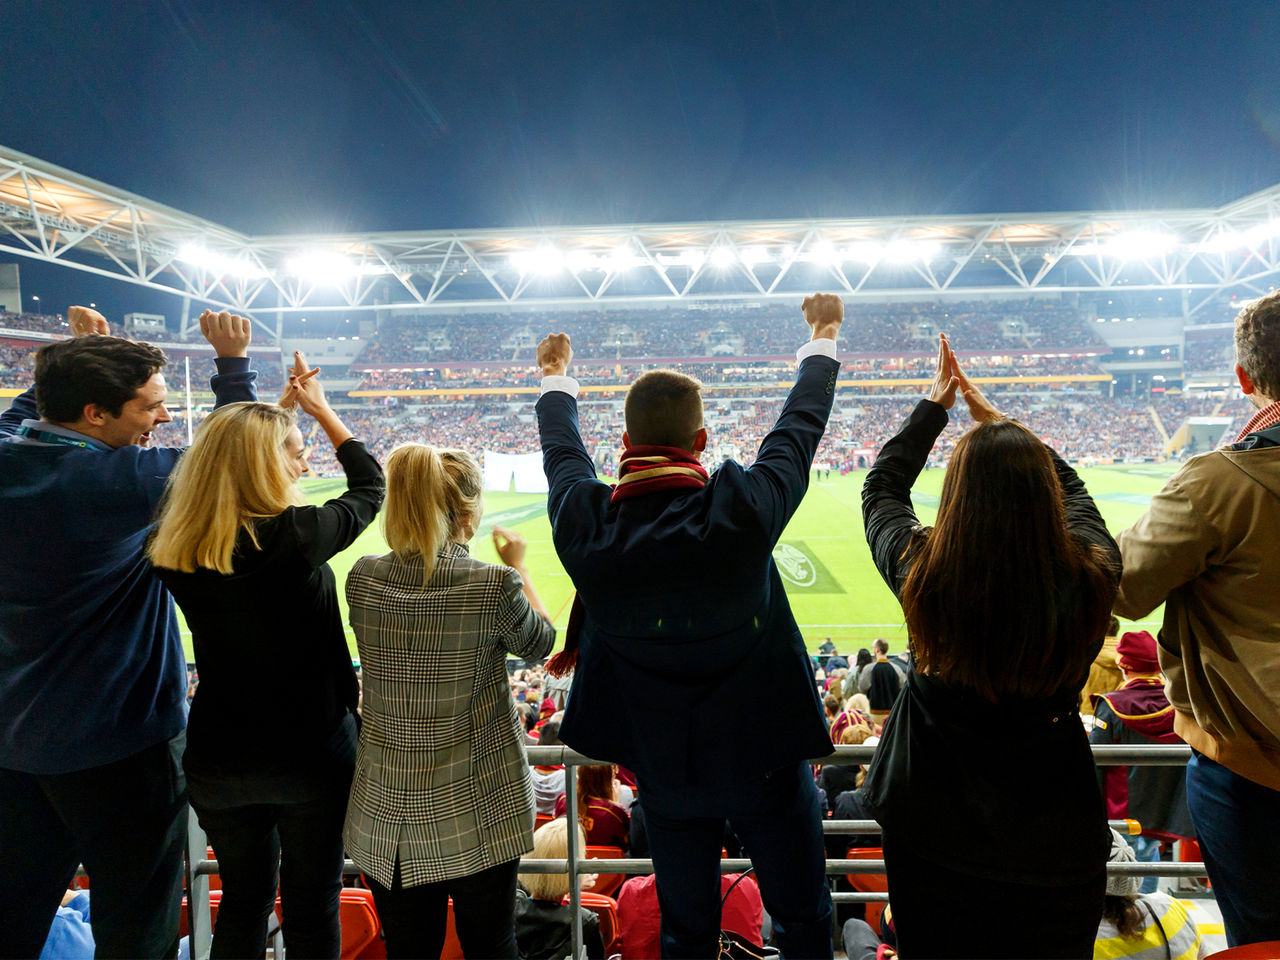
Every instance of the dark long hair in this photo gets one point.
(1000, 598)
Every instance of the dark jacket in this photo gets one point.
(275, 671)
(1139, 712)
(1013, 774)
(91, 661)
(544, 930)
(684, 604)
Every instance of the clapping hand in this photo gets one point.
(228, 332)
(823, 312)
(945, 382)
(510, 546)
(554, 354)
(980, 408)
(83, 321)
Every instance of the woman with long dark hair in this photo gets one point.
(983, 782)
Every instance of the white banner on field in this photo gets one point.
(500, 469)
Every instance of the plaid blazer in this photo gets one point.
(442, 778)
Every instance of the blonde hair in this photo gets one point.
(234, 473)
(429, 491)
(860, 703)
(551, 842)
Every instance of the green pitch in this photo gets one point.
(834, 588)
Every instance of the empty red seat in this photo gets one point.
(869, 882)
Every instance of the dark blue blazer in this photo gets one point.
(691, 669)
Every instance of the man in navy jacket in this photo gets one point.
(683, 609)
(92, 673)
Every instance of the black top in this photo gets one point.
(544, 930)
(982, 787)
(886, 681)
(275, 671)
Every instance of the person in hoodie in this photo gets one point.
(1207, 549)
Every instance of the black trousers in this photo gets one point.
(935, 911)
(779, 821)
(126, 822)
(286, 830)
(415, 919)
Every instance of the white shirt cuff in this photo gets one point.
(822, 347)
(554, 383)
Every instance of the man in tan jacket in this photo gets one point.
(1209, 547)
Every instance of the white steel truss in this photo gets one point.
(52, 214)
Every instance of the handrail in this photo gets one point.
(574, 863)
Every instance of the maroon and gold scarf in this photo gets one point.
(642, 469)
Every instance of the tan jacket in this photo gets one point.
(1104, 675)
(1209, 546)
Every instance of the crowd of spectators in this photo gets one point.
(728, 331)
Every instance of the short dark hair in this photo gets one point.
(1258, 343)
(1113, 627)
(881, 645)
(105, 371)
(549, 735)
(663, 408)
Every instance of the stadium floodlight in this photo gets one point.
(1130, 245)
(825, 252)
(219, 264)
(907, 251)
(722, 256)
(866, 251)
(692, 257)
(545, 260)
(624, 257)
(327, 268)
(580, 261)
(754, 254)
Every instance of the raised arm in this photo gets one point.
(229, 334)
(887, 513)
(327, 530)
(779, 477)
(524, 626)
(564, 457)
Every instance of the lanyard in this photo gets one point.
(44, 436)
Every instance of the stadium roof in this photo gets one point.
(52, 214)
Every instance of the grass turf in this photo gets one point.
(833, 586)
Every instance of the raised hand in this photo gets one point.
(980, 408)
(554, 354)
(823, 312)
(84, 321)
(304, 388)
(510, 546)
(228, 332)
(945, 382)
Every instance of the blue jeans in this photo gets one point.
(1238, 826)
(279, 828)
(779, 821)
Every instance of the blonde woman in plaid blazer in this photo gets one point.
(442, 803)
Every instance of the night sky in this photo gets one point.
(274, 117)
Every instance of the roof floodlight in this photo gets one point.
(1138, 244)
(867, 251)
(545, 259)
(1262, 232)
(692, 257)
(624, 257)
(722, 257)
(825, 252)
(219, 264)
(753, 255)
(579, 261)
(322, 267)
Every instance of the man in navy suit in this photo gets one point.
(683, 609)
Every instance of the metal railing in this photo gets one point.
(200, 868)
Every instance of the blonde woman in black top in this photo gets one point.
(271, 736)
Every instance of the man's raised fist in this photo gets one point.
(84, 321)
(824, 312)
(554, 354)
